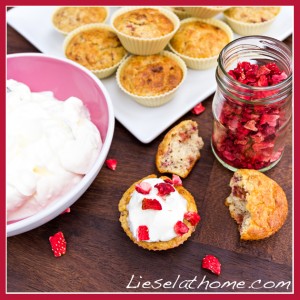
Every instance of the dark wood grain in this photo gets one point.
(100, 257)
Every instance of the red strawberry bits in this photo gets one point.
(151, 204)
(164, 189)
(143, 233)
(248, 132)
(211, 263)
(180, 228)
(111, 164)
(143, 188)
(58, 244)
(198, 109)
(192, 217)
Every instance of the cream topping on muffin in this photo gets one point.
(50, 145)
(159, 222)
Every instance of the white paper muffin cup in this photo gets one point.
(102, 73)
(155, 100)
(66, 32)
(205, 12)
(181, 14)
(243, 28)
(203, 63)
(145, 46)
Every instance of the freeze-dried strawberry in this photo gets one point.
(164, 189)
(176, 180)
(66, 211)
(198, 109)
(211, 263)
(168, 180)
(192, 217)
(270, 119)
(180, 228)
(58, 244)
(151, 204)
(111, 163)
(143, 233)
(143, 188)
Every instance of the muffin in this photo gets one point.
(180, 149)
(251, 20)
(144, 30)
(158, 215)
(67, 18)
(151, 80)
(199, 41)
(96, 47)
(257, 203)
(205, 12)
(180, 12)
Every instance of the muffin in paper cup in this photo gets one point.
(195, 60)
(144, 30)
(180, 12)
(151, 80)
(67, 18)
(96, 47)
(205, 12)
(251, 20)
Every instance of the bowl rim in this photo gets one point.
(56, 208)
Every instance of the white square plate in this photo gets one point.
(34, 23)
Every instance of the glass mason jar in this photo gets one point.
(251, 122)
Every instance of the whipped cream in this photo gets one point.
(50, 145)
(159, 222)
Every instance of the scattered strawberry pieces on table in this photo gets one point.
(151, 204)
(111, 163)
(211, 263)
(198, 109)
(180, 228)
(192, 217)
(58, 244)
(66, 211)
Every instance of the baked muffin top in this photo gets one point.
(199, 40)
(150, 75)
(95, 48)
(67, 18)
(144, 23)
(253, 14)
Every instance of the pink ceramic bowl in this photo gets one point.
(64, 78)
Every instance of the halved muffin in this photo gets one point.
(199, 41)
(67, 18)
(151, 80)
(96, 47)
(144, 30)
(157, 214)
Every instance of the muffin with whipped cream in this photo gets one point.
(144, 30)
(158, 213)
(67, 18)
(251, 20)
(96, 47)
(151, 80)
(199, 41)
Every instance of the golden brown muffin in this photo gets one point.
(144, 23)
(257, 203)
(96, 47)
(199, 39)
(180, 149)
(159, 245)
(67, 18)
(252, 14)
(150, 75)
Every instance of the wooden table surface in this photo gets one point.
(101, 258)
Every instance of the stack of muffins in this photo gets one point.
(150, 74)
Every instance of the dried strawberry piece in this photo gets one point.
(277, 78)
(164, 189)
(111, 164)
(66, 211)
(143, 233)
(58, 244)
(193, 217)
(176, 180)
(211, 263)
(180, 228)
(168, 180)
(143, 188)
(198, 109)
(251, 125)
(151, 204)
(270, 119)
